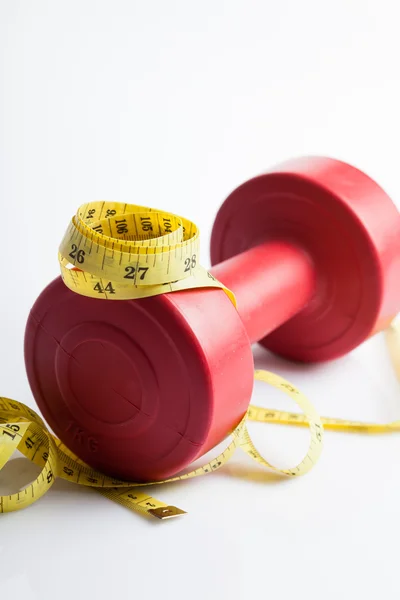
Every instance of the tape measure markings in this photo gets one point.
(58, 460)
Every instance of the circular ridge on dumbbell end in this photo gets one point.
(311, 249)
(139, 388)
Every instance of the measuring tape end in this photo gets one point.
(166, 512)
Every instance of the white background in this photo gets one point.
(173, 104)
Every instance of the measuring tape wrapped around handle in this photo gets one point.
(119, 251)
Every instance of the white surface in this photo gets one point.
(173, 104)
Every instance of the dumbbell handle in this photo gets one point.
(272, 282)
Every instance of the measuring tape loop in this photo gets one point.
(119, 251)
(22, 429)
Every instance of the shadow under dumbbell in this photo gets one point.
(264, 359)
(255, 474)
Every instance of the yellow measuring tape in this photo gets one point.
(118, 251)
(125, 251)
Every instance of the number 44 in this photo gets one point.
(108, 289)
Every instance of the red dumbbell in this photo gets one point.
(141, 388)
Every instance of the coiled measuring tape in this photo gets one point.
(123, 251)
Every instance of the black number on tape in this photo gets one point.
(14, 428)
(78, 255)
(131, 272)
(190, 263)
(146, 224)
(121, 226)
(109, 288)
(167, 225)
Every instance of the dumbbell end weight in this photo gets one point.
(138, 389)
(316, 267)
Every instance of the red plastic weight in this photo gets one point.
(141, 388)
(311, 219)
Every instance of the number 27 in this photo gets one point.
(131, 271)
